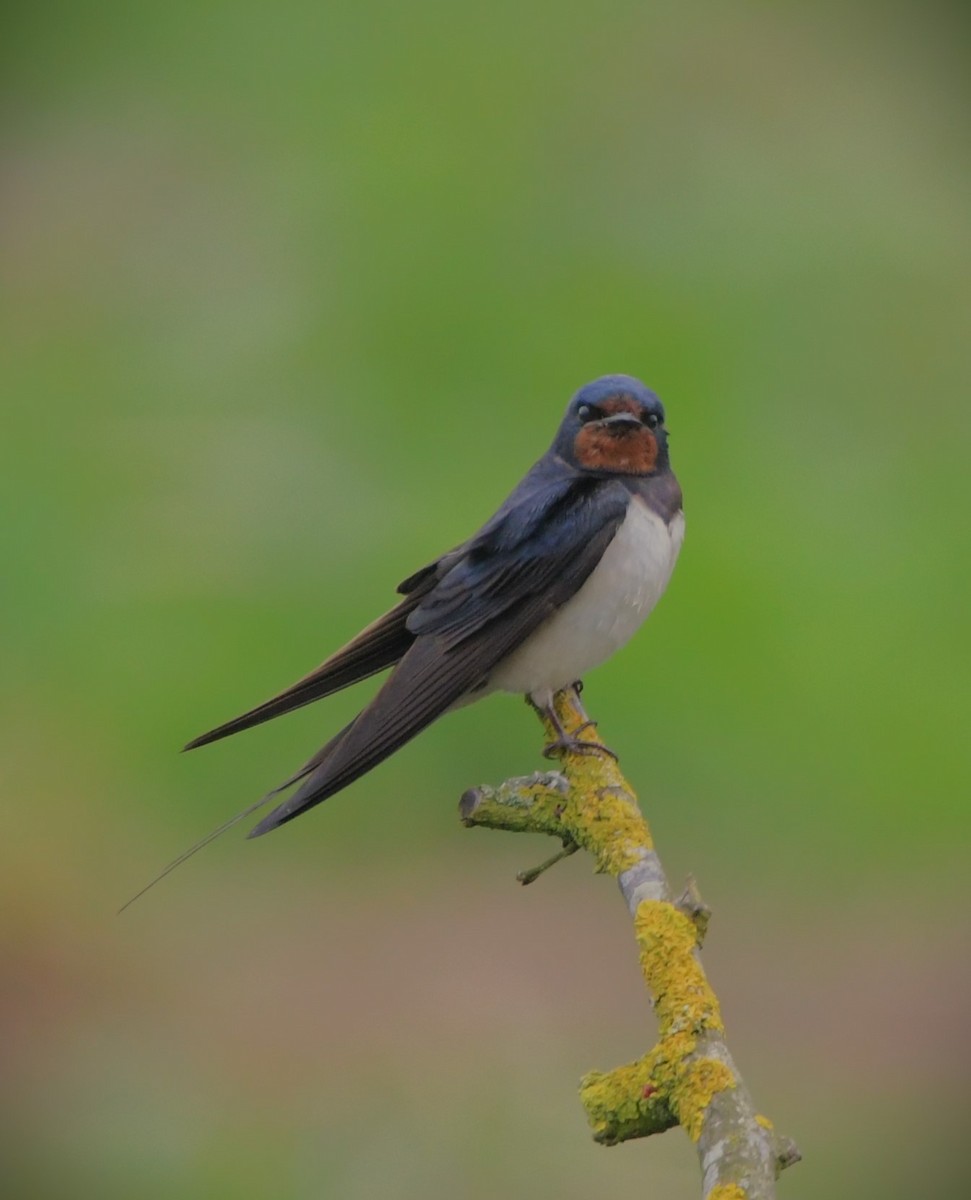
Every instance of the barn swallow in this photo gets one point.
(555, 582)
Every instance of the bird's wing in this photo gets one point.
(386, 640)
(374, 649)
(508, 579)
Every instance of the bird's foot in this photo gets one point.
(569, 744)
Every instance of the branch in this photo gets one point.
(689, 1078)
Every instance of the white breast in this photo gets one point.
(604, 614)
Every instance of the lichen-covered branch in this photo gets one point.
(689, 1077)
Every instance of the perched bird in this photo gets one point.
(556, 581)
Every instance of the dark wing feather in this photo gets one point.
(485, 606)
(374, 649)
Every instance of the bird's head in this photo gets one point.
(614, 426)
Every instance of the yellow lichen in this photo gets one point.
(686, 1007)
(764, 1121)
(626, 1102)
(727, 1191)
(701, 1079)
(606, 821)
(683, 997)
(518, 807)
(667, 1060)
(601, 811)
(649, 1094)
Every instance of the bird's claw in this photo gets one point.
(567, 744)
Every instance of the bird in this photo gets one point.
(554, 583)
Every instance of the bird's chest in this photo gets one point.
(607, 610)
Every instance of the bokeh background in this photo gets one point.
(293, 294)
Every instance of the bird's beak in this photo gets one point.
(621, 422)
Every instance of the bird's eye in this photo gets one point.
(652, 420)
(584, 412)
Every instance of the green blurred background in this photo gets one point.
(292, 296)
